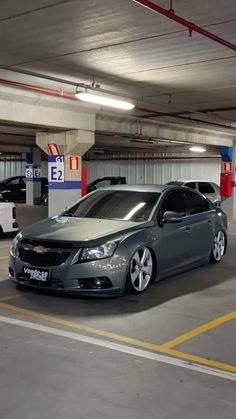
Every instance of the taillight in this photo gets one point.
(14, 213)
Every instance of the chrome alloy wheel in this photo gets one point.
(141, 269)
(218, 246)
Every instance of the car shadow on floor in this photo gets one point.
(201, 280)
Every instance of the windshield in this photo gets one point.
(118, 205)
(5, 181)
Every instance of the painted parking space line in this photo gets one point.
(80, 326)
(10, 297)
(124, 339)
(4, 257)
(120, 348)
(199, 330)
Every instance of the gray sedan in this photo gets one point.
(120, 238)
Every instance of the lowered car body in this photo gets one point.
(120, 238)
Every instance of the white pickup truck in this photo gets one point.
(7, 218)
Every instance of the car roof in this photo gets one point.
(191, 180)
(140, 188)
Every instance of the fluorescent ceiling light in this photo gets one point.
(197, 149)
(104, 100)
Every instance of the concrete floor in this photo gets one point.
(114, 358)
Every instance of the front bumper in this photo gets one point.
(76, 279)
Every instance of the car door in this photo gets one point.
(11, 190)
(174, 245)
(201, 220)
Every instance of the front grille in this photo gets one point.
(43, 260)
(49, 244)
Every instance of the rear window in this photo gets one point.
(205, 187)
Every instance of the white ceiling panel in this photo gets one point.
(127, 48)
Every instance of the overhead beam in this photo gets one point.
(113, 124)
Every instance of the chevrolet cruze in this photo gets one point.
(120, 238)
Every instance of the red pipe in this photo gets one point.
(72, 97)
(38, 89)
(170, 14)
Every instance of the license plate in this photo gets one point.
(37, 274)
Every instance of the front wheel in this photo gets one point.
(218, 249)
(141, 271)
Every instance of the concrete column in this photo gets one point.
(33, 184)
(70, 144)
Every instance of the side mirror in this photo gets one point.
(172, 217)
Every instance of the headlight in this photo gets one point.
(13, 249)
(92, 253)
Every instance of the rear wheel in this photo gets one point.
(1, 232)
(141, 271)
(218, 249)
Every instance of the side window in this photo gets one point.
(196, 203)
(191, 185)
(205, 187)
(175, 201)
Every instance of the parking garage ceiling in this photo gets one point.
(171, 76)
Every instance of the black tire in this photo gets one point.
(44, 198)
(218, 247)
(142, 270)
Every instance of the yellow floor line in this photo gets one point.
(120, 338)
(10, 297)
(80, 326)
(200, 360)
(199, 330)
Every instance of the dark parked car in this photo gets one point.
(120, 238)
(106, 181)
(14, 189)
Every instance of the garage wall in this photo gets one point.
(155, 171)
(9, 168)
(136, 171)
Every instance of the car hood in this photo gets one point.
(80, 229)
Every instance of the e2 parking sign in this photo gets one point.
(56, 169)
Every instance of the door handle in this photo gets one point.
(209, 222)
(188, 230)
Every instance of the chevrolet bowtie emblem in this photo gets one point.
(40, 249)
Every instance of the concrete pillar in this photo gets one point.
(33, 178)
(70, 144)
